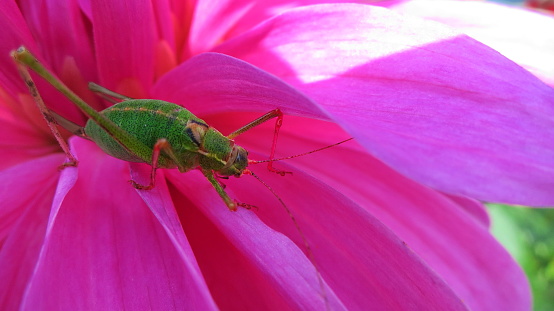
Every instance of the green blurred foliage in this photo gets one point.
(528, 234)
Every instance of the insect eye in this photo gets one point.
(242, 159)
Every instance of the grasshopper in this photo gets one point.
(162, 134)
(159, 133)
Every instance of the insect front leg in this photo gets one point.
(23, 69)
(231, 204)
(266, 117)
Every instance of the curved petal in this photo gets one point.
(436, 105)
(124, 37)
(23, 216)
(106, 250)
(160, 203)
(473, 208)
(238, 246)
(450, 238)
(210, 82)
(235, 17)
(524, 42)
(363, 263)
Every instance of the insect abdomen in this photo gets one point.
(148, 120)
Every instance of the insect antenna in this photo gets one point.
(302, 236)
(300, 155)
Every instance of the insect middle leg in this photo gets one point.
(266, 117)
(102, 91)
(161, 145)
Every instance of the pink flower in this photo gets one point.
(437, 116)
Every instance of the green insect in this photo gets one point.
(162, 134)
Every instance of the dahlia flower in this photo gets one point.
(392, 220)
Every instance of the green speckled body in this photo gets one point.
(149, 120)
(156, 132)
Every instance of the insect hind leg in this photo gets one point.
(23, 60)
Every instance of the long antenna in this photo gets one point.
(303, 237)
(299, 155)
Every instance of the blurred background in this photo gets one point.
(527, 233)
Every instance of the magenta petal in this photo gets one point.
(23, 216)
(106, 250)
(239, 246)
(62, 32)
(436, 105)
(235, 17)
(204, 31)
(160, 203)
(14, 34)
(446, 232)
(21, 141)
(124, 35)
(473, 208)
(210, 82)
(361, 260)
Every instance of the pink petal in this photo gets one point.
(24, 221)
(204, 31)
(24, 136)
(265, 262)
(448, 238)
(212, 82)
(165, 21)
(235, 17)
(14, 34)
(361, 260)
(524, 42)
(473, 208)
(124, 37)
(106, 250)
(437, 106)
(25, 207)
(63, 33)
(160, 203)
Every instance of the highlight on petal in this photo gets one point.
(107, 248)
(434, 104)
(235, 17)
(525, 42)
